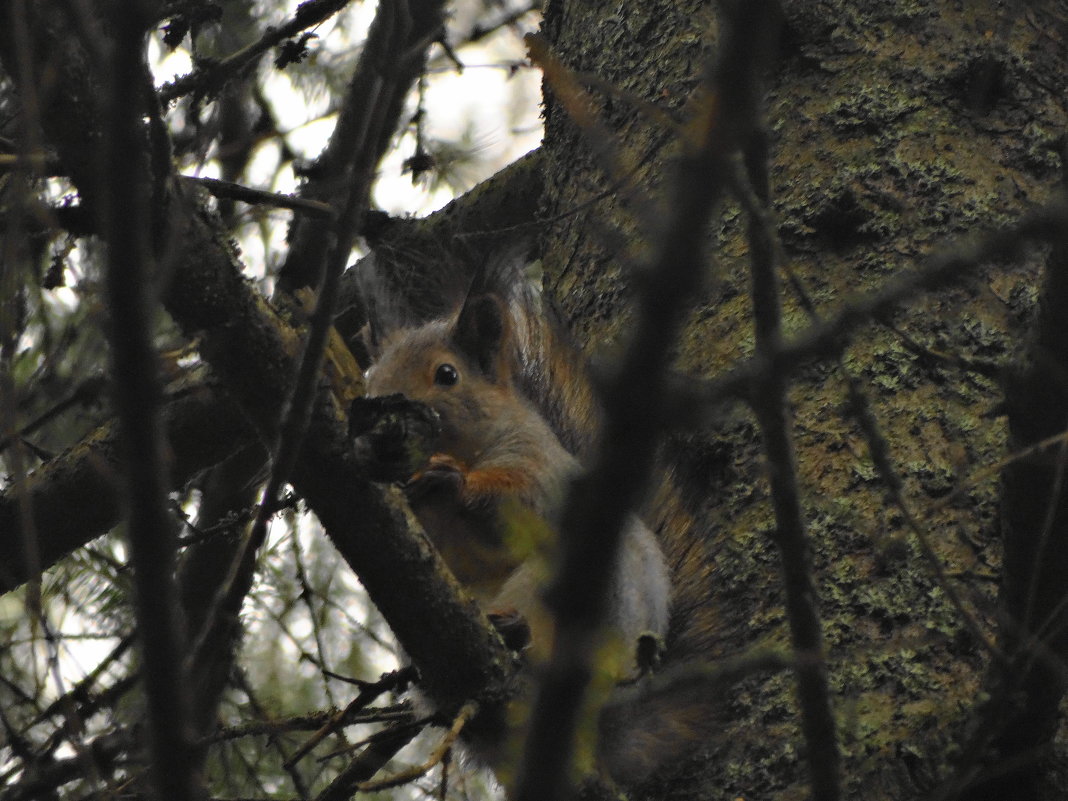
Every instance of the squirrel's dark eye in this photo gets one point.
(446, 375)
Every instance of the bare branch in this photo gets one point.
(102, 751)
(389, 38)
(634, 400)
(391, 60)
(1027, 691)
(467, 711)
(769, 401)
(879, 449)
(368, 763)
(228, 189)
(253, 351)
(368, 692)
(137, 394)
(202, 427)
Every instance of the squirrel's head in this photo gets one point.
(461, 368)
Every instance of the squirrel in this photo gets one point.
(509, 392)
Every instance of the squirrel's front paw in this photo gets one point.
(442, 476)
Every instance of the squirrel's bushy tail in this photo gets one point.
(643, 726)
(554, 375)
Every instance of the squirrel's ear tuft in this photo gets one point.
(504, 271)
(481, 335)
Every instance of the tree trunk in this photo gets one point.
(893, 129)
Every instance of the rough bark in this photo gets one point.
(1018, 725)
(892, 129)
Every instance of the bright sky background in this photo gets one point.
(495, 106)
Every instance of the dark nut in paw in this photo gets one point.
(392, 436)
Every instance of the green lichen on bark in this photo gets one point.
(894, 127)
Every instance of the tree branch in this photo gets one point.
(75, 497)
(252, 350)
(829, 337)
(769, 402)
(232, 191)
(128, 228)
(203, 426)
(455, 238)
(1027, 690)
(392, 58)
(635, 401)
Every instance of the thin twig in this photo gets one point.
(103, 752)
(769, 402)
(311, 722)
(568, 91)
(862, 414)
(87, 391)
(393, 56)
(27, 536)
(306, 596)
(1049, 521)
(400, 723)
(988, 368)
(879, 450)
(215, 74)
(246, 194)
(467, 711)
(368, 763)
(987, 472)
(369, 692)
(273, 742)
(81, 691)
(505, 19)
(383, 40)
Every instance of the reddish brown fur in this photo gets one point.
(502, 445)
(495, 448)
